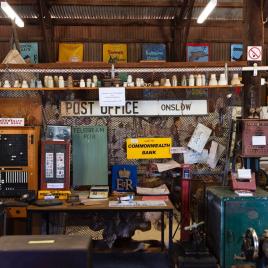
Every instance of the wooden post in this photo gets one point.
(46, 24)
(254, 36)
(181, 30)
(15, 38)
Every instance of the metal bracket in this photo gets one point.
(255, 69)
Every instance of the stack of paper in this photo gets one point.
(160, 190)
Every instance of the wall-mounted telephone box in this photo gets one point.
(55, 165)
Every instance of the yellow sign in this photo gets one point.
(61, 195)
(72, 52)
(114, 53)
(148, 148)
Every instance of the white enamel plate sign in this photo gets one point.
(135, 108)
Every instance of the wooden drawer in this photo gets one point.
(17, 212)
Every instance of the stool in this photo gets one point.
(45, 251)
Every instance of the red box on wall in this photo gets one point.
(55, 165)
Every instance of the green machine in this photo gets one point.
(229, 216)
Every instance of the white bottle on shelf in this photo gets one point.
(204, 82)
(235, 80)
(61, 82)
(213, 80)
(129, 79)
(32, 83)
(6, 84)
(95, 79)
(174, 81)
(24, 84)
(45, 81)
(191, 80)
(167, 83)
(223, 81)
(198, 80)
(89, 81)
(50, 82)
(138, 82)
(16, 84)
(39, 84)
(82, 83)
(184, 81)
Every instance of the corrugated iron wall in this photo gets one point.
(219, 38)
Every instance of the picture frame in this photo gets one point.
(197, 52)
(154, 52)
(58, 133)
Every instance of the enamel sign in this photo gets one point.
(135, 108)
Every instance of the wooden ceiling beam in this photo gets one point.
(106, 22)
(142, 3)
(22, 2)
(223, 5)
(94, 22)
(155, 3)
(7, 21)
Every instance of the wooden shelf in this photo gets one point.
(144, 64)
(185, 87)
(128, 88)
(47, 89)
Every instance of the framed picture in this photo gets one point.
(236, 52)
(115, 53)
(197, 52)
(58, 133)
(29, 52)
(154, 52)
(71, 52)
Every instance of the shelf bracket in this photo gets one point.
(112, 72)
(255, 69)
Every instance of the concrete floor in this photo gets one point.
(155, 233)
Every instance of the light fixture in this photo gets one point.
(206, 11)
(10, 12)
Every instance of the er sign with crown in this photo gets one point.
(124, 178)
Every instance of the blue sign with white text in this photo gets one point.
(236, 52)
(154, 52)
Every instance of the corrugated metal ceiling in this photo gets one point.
(112, 12)
(24, 11)
(124, 12)
(219, 1)
(221, 13)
